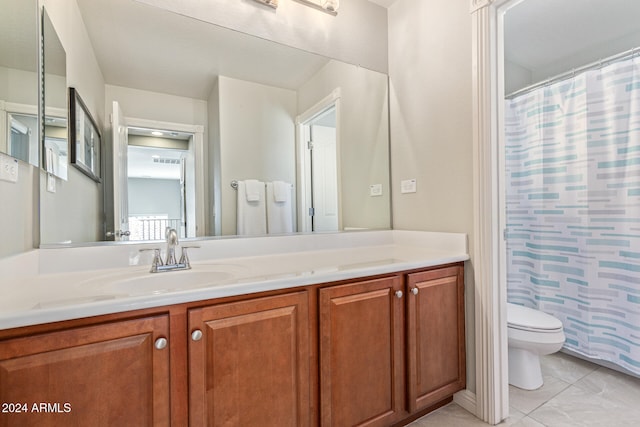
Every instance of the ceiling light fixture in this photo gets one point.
(156, 133)
(270, 3)
(329, 6)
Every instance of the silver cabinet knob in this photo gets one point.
(160, 343)
(414, 291)
(399, 294)
(196, 335)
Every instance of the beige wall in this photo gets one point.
(18, 222)
(357, 35)
(363, 139)
(142, 104)
(73, 212)
(256, 137)
(213, 226)
(431, 134)
(18, 86)
(83, 71)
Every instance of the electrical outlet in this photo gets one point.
(375, 190)
(408, 186)
(8, 169)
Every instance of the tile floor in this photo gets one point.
(575, 393)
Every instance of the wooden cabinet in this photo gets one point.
(374, 352)
(369, 329)
(435, 336)
(249, 363)
(104, 375)
(361, 353)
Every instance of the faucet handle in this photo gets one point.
(184, 257)
(157, 259)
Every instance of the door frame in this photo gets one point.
(304, 191)
(196, 147)
(491, 401)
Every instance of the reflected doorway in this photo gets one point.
(320, 165)
(158, 187)
(160, 135)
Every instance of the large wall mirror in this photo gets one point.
(55, 139)
(19, 80)
(192, 115)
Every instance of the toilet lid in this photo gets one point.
(520, 317)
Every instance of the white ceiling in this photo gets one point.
(553, 36)
(148, 48)
(142, 164)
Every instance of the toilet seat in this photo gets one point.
(530, 320)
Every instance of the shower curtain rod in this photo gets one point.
(593, 65)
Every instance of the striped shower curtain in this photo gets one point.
(573, 208)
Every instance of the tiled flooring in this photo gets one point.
(575, 393)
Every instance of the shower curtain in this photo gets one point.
(572, 182)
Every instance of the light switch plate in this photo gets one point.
(375, 190)
(51, 183)
(408, 186)
(8, 168)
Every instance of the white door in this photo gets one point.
(120, 192)
(324, 178)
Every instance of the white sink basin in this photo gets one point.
(171, 281)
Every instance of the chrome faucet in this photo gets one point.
(172, 241)
(170, 263)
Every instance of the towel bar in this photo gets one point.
(234, 184)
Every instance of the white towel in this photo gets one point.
(253, 190)
(251, 218)
(279, 214)
(281, 191)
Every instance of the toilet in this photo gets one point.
(531, 334)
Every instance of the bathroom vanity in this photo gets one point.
(340, 329)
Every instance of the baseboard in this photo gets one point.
(467, 400)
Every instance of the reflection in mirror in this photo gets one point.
(19, 80)
(240, 98)
(56, 147)
(157, 163)
(55, 151)
(69, 209)
(23, 136)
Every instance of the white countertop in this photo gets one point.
(50, 285)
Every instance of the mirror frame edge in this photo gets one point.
(37, 241)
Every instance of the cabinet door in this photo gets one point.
(103, 375)
(436, 351)
(361, 353)
(249, 363)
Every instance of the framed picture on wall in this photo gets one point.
(84, 138)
